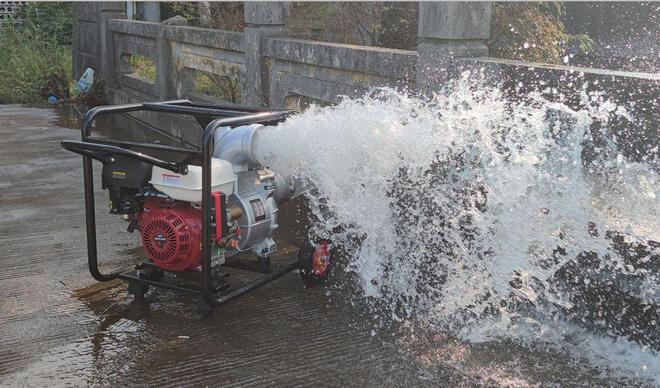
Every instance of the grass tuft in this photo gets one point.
(32, 65)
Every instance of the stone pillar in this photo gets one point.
(204, 8)
(84, 51)
(166, 70)
(92, 44)
(130, 10)
(151, 11)
(449, 30)
(262, 20)
(107, 69)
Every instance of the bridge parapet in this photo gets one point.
(262, 66)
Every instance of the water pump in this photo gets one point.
(245, 199)
(195, 215)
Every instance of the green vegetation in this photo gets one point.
(187, 9)
(53, 19)
(527, 31)
(224, 15)
(143, 67)
(226, 86)
(35, 57)
(380, 24)
(532, 31)
(32, 66)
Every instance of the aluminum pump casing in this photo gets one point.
(257, 191)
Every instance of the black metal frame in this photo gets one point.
(102, 149)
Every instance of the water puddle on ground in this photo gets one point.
(70, 115)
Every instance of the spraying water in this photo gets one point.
(485, 218)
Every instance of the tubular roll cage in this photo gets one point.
(101, 149)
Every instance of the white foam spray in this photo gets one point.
(452, 209)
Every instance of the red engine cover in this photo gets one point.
(171, 235)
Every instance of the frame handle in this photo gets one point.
(103, 153)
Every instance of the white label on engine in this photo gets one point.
(171, 179)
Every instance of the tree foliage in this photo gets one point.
(380, 24)
(187, 9)
(528, 31)
(532, 31)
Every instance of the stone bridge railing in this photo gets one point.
(261, 66)
(326, 71)
(282, 73)
(266, 67)
(294, 68)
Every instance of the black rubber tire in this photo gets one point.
(305, 262)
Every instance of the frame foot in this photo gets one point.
(205, 308)
(137, 289)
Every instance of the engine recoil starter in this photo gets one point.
(171, 235)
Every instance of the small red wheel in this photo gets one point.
(315, 262)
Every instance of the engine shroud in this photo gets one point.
(171, 234)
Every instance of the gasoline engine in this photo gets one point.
(165, 207)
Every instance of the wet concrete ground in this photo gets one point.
(58, 326)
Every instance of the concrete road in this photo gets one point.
(60, 327)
